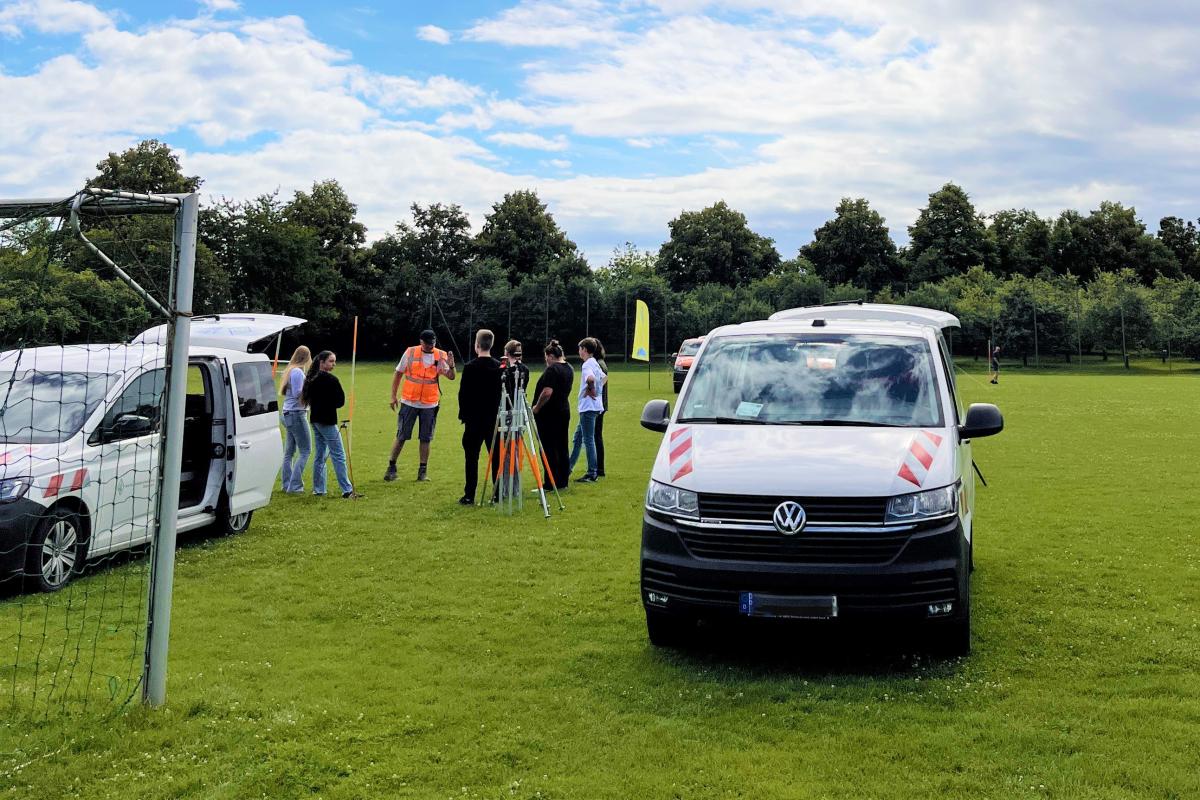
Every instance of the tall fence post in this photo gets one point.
(162, 569)
(1037, 361)
(1124, 352)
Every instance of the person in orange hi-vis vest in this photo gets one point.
(420, 369)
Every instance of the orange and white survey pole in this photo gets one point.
(350, 417)
(275, 363)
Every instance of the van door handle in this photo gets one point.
(244, 445)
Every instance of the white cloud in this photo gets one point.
(432, 33)
(541, 23)
(560, 163)
(220, 5)
(51, 16)
(529, 141)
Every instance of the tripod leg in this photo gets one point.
(551, 478)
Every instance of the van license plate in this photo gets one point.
(756, 604)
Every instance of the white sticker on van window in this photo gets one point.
(751, 410)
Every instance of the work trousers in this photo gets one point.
(552, 430)
(473, 439)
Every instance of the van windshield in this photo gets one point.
(814, 379)
(43, 407)
(690, 347)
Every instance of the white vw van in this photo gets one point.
(79, 443)
(818, 465)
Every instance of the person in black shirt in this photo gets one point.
(323, 395)
(552, 410)
(478, 401)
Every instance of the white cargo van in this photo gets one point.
(79, 443)
(818, 465)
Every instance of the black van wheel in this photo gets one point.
(228, 524)
(56, 552)
(665, 630)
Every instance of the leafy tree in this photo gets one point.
(715, 245)
(948, 238)
(854, 247)
(438, 240)
(328, 212)
(1113, 239)
(150, 167)
(1021, 242)
(1183, 240)
(1068, 246)
(1116, 314)
(522, 236)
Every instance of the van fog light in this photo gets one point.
(657, 599)
(940, 609)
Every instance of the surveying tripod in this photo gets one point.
(519, 445)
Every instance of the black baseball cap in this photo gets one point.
(428, 335)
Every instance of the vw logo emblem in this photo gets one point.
(789, 518)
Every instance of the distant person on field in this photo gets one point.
(603, 411)
(478, 403)
(591, 389)
(295, 422)
(552, 411)
(995, 373)
(323, 395)
(420, 369)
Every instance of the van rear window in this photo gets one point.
(815, 379)
(255, 388)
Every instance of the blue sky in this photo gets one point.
(620, 114)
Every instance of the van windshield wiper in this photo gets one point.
(723, 420)
(842, 423)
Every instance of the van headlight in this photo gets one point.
(14, 488)
(672, 500)
(923, 505)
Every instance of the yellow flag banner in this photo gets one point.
(641, 332)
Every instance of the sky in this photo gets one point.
(619, 114)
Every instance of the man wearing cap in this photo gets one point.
(420, 368)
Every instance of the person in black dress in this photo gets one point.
(552, 410)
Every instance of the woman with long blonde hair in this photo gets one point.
(296, 440)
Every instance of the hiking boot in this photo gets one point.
(466, 500)
(390, 475)
(422, 475)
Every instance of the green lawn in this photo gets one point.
(403, 646)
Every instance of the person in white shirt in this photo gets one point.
(591, 391)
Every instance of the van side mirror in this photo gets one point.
(983, 419)
(656, 416)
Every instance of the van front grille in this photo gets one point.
(841, 547)
(820, 510)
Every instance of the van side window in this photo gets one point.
(952, 378)
(255, 388)
(137, 412)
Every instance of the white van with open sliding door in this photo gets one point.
(80, 443)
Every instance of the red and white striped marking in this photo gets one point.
(680, 453)
(914, 468)
(78, 481)
(10, 456)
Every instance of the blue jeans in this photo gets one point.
(295, 424)
(329, 439)
(585, 437)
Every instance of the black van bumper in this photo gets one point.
(18, 521)
(929, 571)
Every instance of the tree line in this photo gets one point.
(1066, 285)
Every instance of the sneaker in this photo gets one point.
(599, 474)
(390, 475)
(348, 495)
(994, 381)
(586, 479)
(422, 476)
(466, 500)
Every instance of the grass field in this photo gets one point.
(403, 646)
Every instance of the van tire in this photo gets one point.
(667, 630)
(228, 524)
(49, 566)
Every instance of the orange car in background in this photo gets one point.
(683, 360)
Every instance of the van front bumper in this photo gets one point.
(930, 569)
(18, 520)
